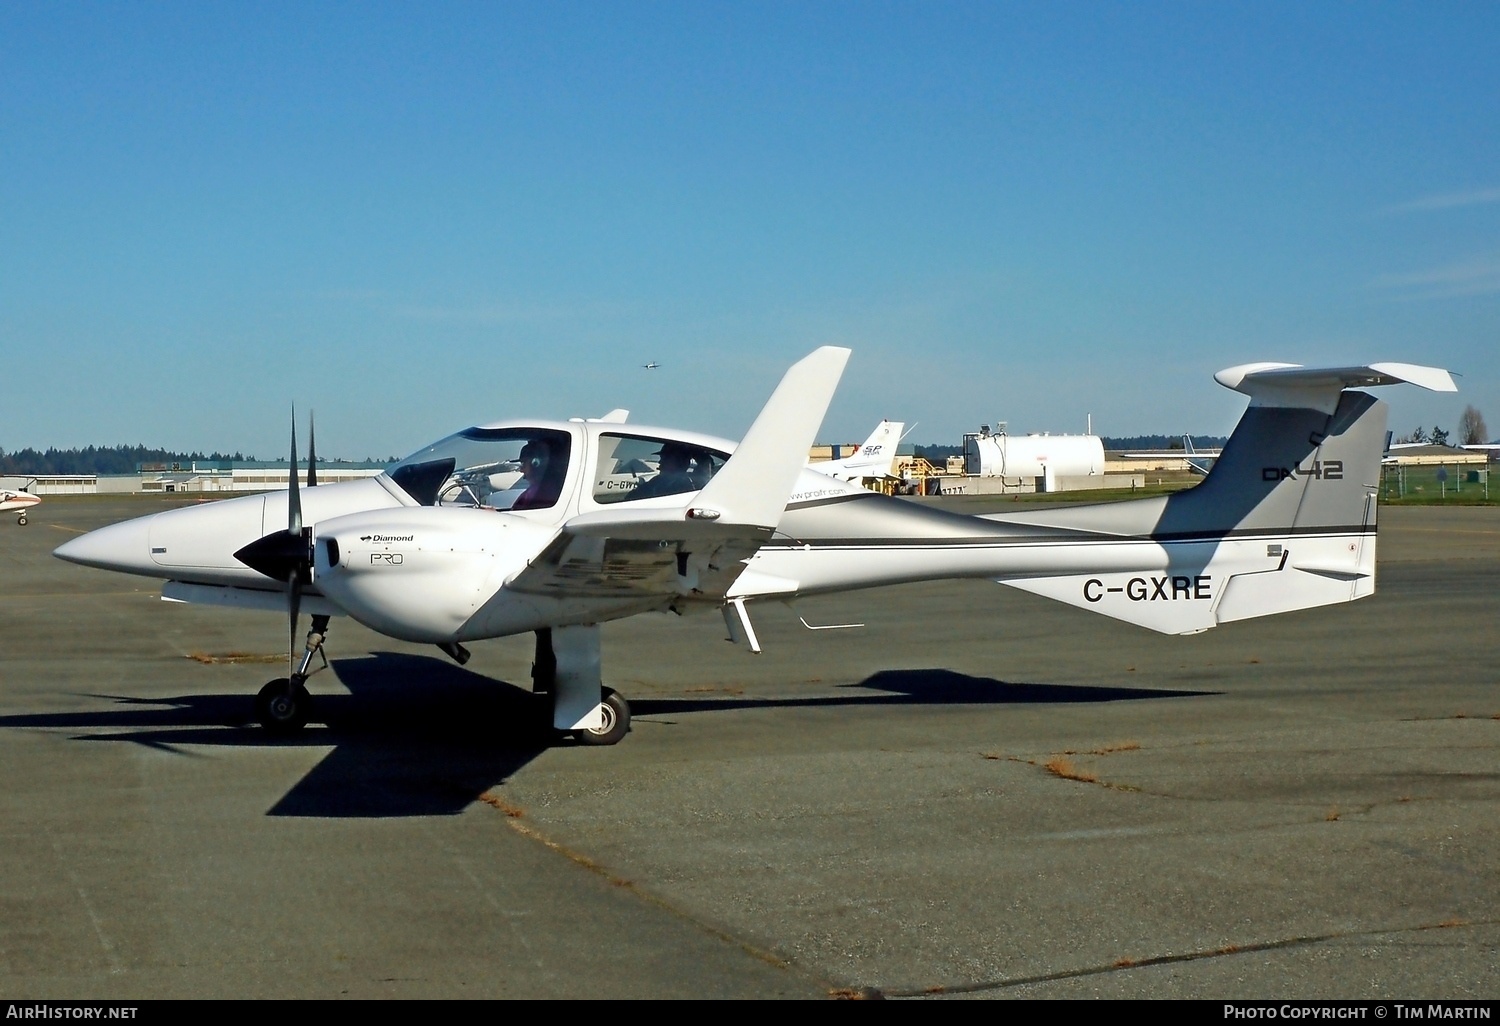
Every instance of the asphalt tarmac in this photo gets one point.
(1302, 806)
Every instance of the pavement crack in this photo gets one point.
(1123, 964)
(513, 819)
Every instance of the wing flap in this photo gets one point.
(589, 565)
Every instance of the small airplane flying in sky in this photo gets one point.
(553, 528)
(873, 459)
(18, 503)
(651, 366)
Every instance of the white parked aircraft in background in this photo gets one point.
(873, 459)
(1198, 461)
(520, 527)
(18, 503)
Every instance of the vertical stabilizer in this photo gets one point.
(1285, 519)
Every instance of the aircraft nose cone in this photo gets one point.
(125, 547)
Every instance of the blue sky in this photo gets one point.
(418, 216)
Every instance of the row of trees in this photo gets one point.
(1471, 431)
(96, 459)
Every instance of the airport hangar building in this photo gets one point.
(202, 476)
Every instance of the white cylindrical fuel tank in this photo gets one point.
(1033, 455)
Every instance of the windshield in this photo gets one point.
(496, 468)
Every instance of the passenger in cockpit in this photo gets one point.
(674, 473)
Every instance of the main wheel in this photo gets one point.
(615, 725)
(283, 706)
(21, 519)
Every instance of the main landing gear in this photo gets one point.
(566, 671)
(21, 519)
(614, 723)
(283, 705)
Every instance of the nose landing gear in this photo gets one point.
(284, 705)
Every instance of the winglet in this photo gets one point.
(754, 485)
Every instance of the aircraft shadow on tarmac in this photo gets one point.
(418, 736)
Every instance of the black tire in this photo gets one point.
(21, 520)
(616, 721)
(283, 705)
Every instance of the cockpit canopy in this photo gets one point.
(513, 468)
(493, 467)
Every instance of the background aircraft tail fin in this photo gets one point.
(872, 459)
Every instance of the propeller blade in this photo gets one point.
(312, 452)
(293, 496)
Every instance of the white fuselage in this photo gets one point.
(14, 501)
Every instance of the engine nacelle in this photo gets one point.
(419, 574)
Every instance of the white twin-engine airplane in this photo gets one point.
(530, 527)
(18, 503)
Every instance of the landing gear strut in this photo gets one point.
(566, 672)
(283, 705)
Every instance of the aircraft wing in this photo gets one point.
(698, 549)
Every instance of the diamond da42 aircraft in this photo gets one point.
(555, 528)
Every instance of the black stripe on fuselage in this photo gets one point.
(992, 541)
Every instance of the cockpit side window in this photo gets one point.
(490, 468)
(636, 467)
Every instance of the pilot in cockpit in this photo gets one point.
(541, 474)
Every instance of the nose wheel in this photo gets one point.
(283, 705)
(21, 519)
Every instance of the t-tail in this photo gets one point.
(872, 459)
(1285, 520)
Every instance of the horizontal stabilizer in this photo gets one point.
(1318, 388)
